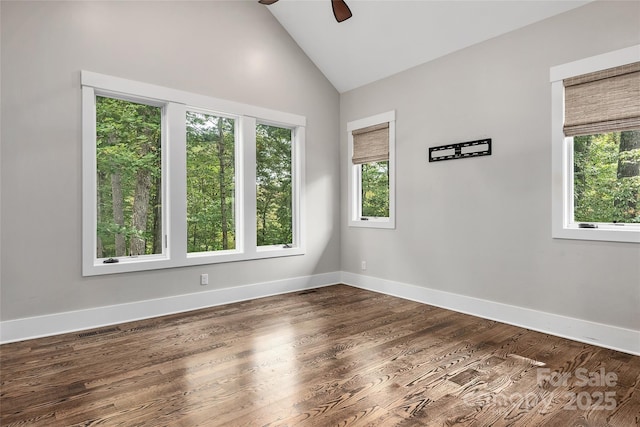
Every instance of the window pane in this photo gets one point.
(273, 181)
(129, 187)
(210, 183)
(606, 181)
(375, 189)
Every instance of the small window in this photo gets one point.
(374, 191)
(372, 171)
(596, 147)
(606, 178)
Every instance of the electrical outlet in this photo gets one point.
(364, 265)
(204, 279)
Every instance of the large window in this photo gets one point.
(274, 185)
(128, 178)
(210, 182)
(172, 178)
(596, 147)
(372, 171)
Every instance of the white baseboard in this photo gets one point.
(71, 321)
(616, 338)
(613, 337)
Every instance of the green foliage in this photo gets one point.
(273, 180)
(129, 181)
(210, 182)
(128, 138)
(600, 193)
(375, 189)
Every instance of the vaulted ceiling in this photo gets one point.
(385, 37)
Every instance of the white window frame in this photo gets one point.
(297, 168)
(355, 180)
(563, 225)
(175, 104)
(239, 190)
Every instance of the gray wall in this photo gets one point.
(482, 227)
(231, 50)
(492, 214)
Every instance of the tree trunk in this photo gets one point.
(629, 140)
(99, 246)
(157, 217)
(264, 226)
(262, 212)
(140, 208)
(581, 147)
(223, 190)
(118, 212)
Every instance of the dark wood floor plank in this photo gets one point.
(331, 356)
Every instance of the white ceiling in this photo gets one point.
(385, 37)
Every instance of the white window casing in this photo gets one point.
(563, 224)
(355, 218)
(175, 104)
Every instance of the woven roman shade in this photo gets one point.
(603, 101)
(371, 144)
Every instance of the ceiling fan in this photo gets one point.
(340, 9)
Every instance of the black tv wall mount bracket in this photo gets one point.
(460, 150)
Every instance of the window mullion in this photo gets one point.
(176, 178)
(247, 184)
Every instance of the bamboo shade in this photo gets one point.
(604, 101)
(371, 144)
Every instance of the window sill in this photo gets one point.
(373, 223)
(604, 233)
(125, 264)
(131, 264)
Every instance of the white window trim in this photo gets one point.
(353, 176)
(297, 199)
(175, 103)
(563, 226)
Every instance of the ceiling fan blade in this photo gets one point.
(340, 10)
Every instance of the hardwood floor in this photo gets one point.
(331, 356)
